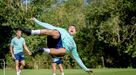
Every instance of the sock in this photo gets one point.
(62, 73)
(47, 50)
(35, 32)
(54, 73)
(18, 73)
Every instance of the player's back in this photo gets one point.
(67, 40)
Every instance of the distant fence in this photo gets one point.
(47, 65)
(37, 65)
(3, 64)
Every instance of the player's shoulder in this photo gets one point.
(62, 31)
(14, 38)
(22, 38)
(59, 28)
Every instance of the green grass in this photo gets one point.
(73, 72)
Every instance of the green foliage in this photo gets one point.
(112, 23)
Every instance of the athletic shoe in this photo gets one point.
(26, 31)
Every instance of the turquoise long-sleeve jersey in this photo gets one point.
(67, 42)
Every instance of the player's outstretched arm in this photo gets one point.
(11, 51)
(25, 47)
(45, 25)
(79, 61)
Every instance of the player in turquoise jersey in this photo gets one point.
(16, 48)
(68, 43)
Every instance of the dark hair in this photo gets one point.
(72, 25)
(18, 29)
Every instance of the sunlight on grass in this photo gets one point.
(73, 72)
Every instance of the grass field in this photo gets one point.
(73, 72)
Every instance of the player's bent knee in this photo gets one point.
(63, 50)
(23, 63)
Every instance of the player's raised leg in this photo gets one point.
(54, 33)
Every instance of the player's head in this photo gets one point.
(72, 29)
(18, 33)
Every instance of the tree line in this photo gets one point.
(105, 38)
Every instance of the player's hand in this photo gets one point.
(32, 18)
(13, 57)
(29, 53)
(89, 70)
